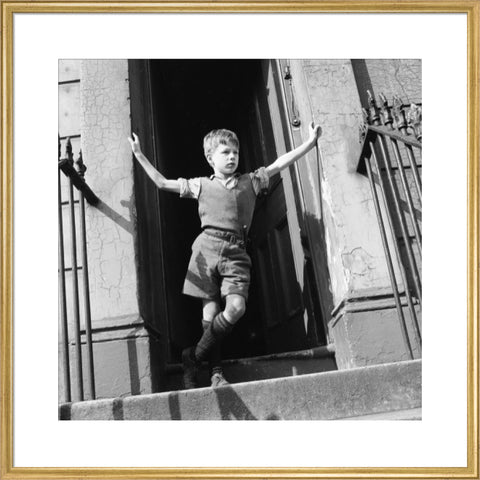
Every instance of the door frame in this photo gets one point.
(156, 314)
(286, 138)
(283, 145)
(154, 308)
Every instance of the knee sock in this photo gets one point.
(215, 357)
(212, 336)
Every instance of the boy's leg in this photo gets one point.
(220, 326)
(211, 308)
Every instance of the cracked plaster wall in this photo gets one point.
(402, 77)
(354, 249)
(105, 125)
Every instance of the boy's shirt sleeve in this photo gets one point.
(189, 188)
(260, 181)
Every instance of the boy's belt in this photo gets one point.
(227, 236)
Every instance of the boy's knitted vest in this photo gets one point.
(227, 209)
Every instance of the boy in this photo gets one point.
(219, 269)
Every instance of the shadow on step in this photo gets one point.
(230, 405)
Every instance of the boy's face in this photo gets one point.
(224, 160)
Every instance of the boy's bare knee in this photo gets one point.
(235, 307)
(210, 309)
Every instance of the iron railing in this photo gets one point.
(391, 159)
(74, 171)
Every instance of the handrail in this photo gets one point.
(407, 139)
(67, 167)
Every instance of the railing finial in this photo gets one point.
(80, 166)
(414, 120)
(386, 112)
(399, 114)
(69, 151)
(374, 117)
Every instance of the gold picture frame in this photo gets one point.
(469, 7)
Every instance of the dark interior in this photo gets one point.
(190, 98)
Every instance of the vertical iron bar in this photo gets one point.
(86, 297)
(401, 121)
(408, 195)
(411, 259)
(397, 249)
(63, 299)
(388, 256)
(76, 310)
(418, 235)
(416, 175)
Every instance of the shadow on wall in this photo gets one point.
(121, 221)
(317, 274)
(133, 366)
(363, 80)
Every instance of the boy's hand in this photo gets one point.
(134, 143)
(314, 132)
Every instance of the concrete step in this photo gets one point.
(410, 414)
(286, 364)
(319, 396)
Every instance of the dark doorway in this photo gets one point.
(188, 99)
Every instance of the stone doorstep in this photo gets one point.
(286, 364)
(320, 396)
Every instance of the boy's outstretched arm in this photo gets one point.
(159, 180)
(314, 132)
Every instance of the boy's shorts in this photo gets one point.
(217, 268)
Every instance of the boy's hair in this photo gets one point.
(216, 137)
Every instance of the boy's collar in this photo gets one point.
(235, 175)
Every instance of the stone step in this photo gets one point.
(410, 414)
(286, 364)
(332, 395)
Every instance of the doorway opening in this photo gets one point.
(188, 99)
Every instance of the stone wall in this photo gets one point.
(327, 91)
(96, 110)
(332, 92)
(402, 77)
(105, 125)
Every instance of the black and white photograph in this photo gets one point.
(240, 239)
(251, 219)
